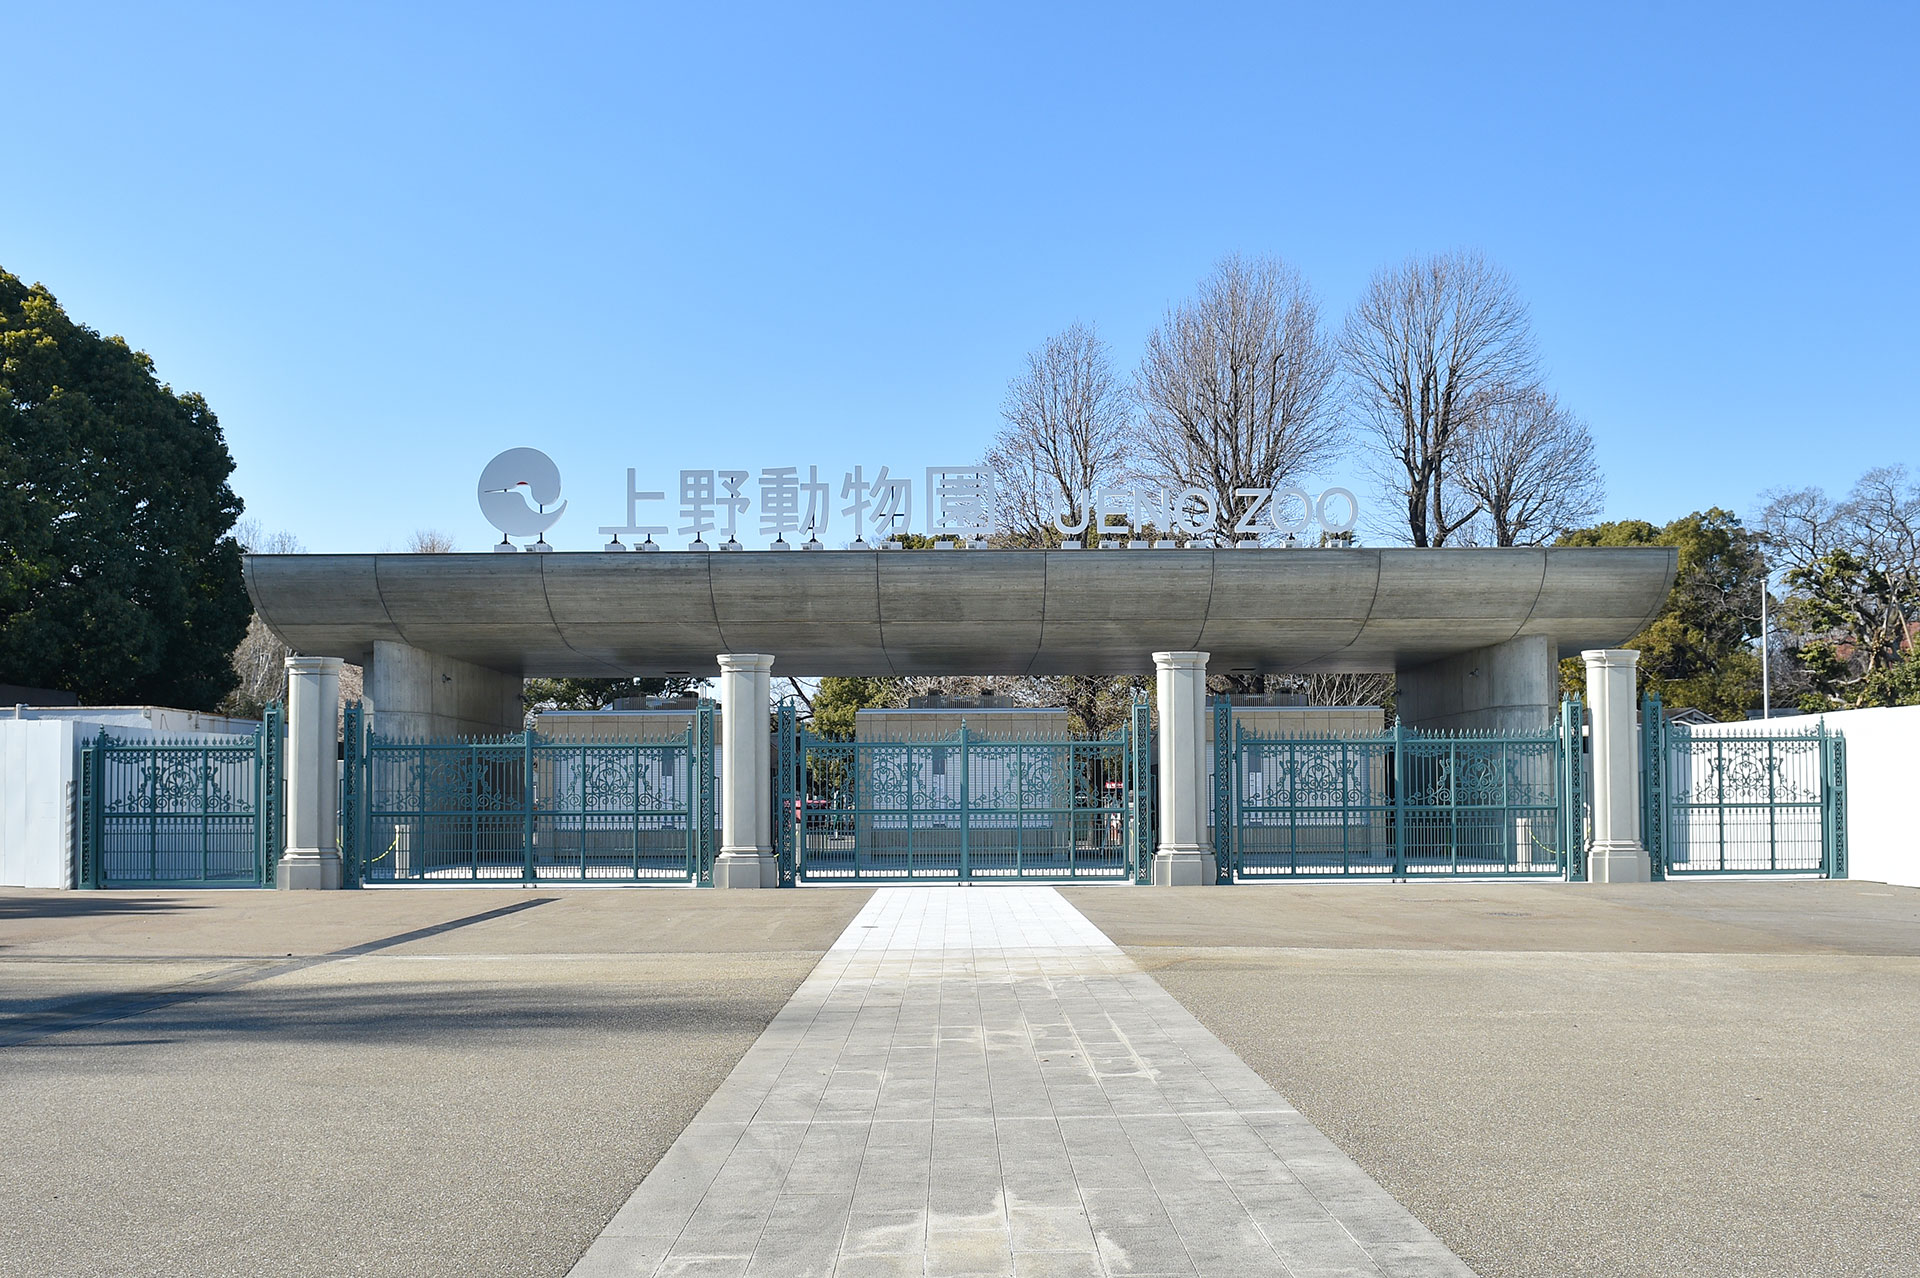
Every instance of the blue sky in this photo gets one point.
(387, 246)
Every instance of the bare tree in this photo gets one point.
(260, 659)
(1884, 508)
(1065, 434)
(429, 541)
(1429, 345)
(1096, 705)
(1350, 689)
(255, 542)
(1852, 568)
(1879, 523)
(1800, 526)
(1528, 463)
(1235, 386)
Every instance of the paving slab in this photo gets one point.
(1700, 1078)
(978, 1082)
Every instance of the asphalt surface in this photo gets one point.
(451, 1082)
(1687, 1078)
(1674, 1079)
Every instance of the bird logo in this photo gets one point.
(506, 506)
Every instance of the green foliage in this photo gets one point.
(1097, 705)
(837, 699)
(1892, 685)
(1699, 650)
(119, 579)
(593, 694)
(1856, 651)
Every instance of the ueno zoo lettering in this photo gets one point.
(798, 505)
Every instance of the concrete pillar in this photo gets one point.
(746, 859)
(417, 694)
(1183, 858)
(1504, 687)
(1618, 855)
(312, 856)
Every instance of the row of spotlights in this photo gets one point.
(860, 543)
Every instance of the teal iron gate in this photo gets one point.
(960, 808)
(528, 808)
(199, 811)
(1400, 804)
(1750, 800)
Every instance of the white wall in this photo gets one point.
(1883, 747)
(37, 764)
(39, 797)
(1883, 783)
(140, 720)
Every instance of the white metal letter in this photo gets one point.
(1085, 502)
(1114, 503)
(855, 486)
(696, 502)
(1196, 510)
(892, 500)
(1297, 525)
(1154, 507)
(779, 501)
(1353, 511)
(1254, 508)
(634, 498)
(959, 501)
(734, 503)
(819, 498)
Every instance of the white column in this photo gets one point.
(312, 856)
(746, 858)
(1183, 857)
(1618, 855)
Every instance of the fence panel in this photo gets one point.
(199, 811)
(1310, 807)
(1574, 812)
(1481, 804)
(1753, 801)
(1398, 804)
(957, 809)
(526, 808)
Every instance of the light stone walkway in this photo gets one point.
(977, 1081)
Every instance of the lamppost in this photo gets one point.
(1766, 664)
(1766, 636)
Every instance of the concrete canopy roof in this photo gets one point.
(958, 611)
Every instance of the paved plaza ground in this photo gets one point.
(1698, 1078)
(1690, 1078)
(475, 1097)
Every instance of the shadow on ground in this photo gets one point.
(454, 1015)
(84, 905)
(364, 1117)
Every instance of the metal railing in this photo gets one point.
(1759, 799)
(522, 807)
(187, 811)
(1398, 804)
(958, 808)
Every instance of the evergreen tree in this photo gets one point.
(1699, 650)
(119, 577)
(596, 694)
